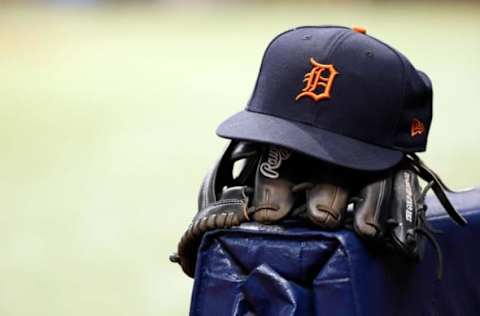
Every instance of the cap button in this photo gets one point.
(359, 29)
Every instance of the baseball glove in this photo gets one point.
(273, 184)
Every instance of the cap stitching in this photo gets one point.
(337, 42)
(395, 130)
(399, 56)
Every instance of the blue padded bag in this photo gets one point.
(292, 270)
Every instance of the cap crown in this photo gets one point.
(345, 82)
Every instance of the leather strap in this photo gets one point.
(438, 187)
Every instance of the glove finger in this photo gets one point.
(326, 204)
(406, 210)
(273, 198)
(371, 209)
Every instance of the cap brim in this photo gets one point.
(331, 147)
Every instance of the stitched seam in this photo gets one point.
(404, 83)
(404, 88)
(334, 198)
(379, 201)
(352, 280)
(338, 41)
(203, 284)
(228, 201)
(342, 37)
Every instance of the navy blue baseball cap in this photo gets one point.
(339, 95)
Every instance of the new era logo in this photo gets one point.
(417, 128)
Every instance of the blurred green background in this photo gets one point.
(107, 126)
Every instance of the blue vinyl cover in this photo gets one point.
(273, 270)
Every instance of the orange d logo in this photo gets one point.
(317, 78)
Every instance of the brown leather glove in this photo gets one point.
(274, 184)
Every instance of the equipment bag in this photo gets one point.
(291, 269)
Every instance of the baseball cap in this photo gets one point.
(339, 95)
